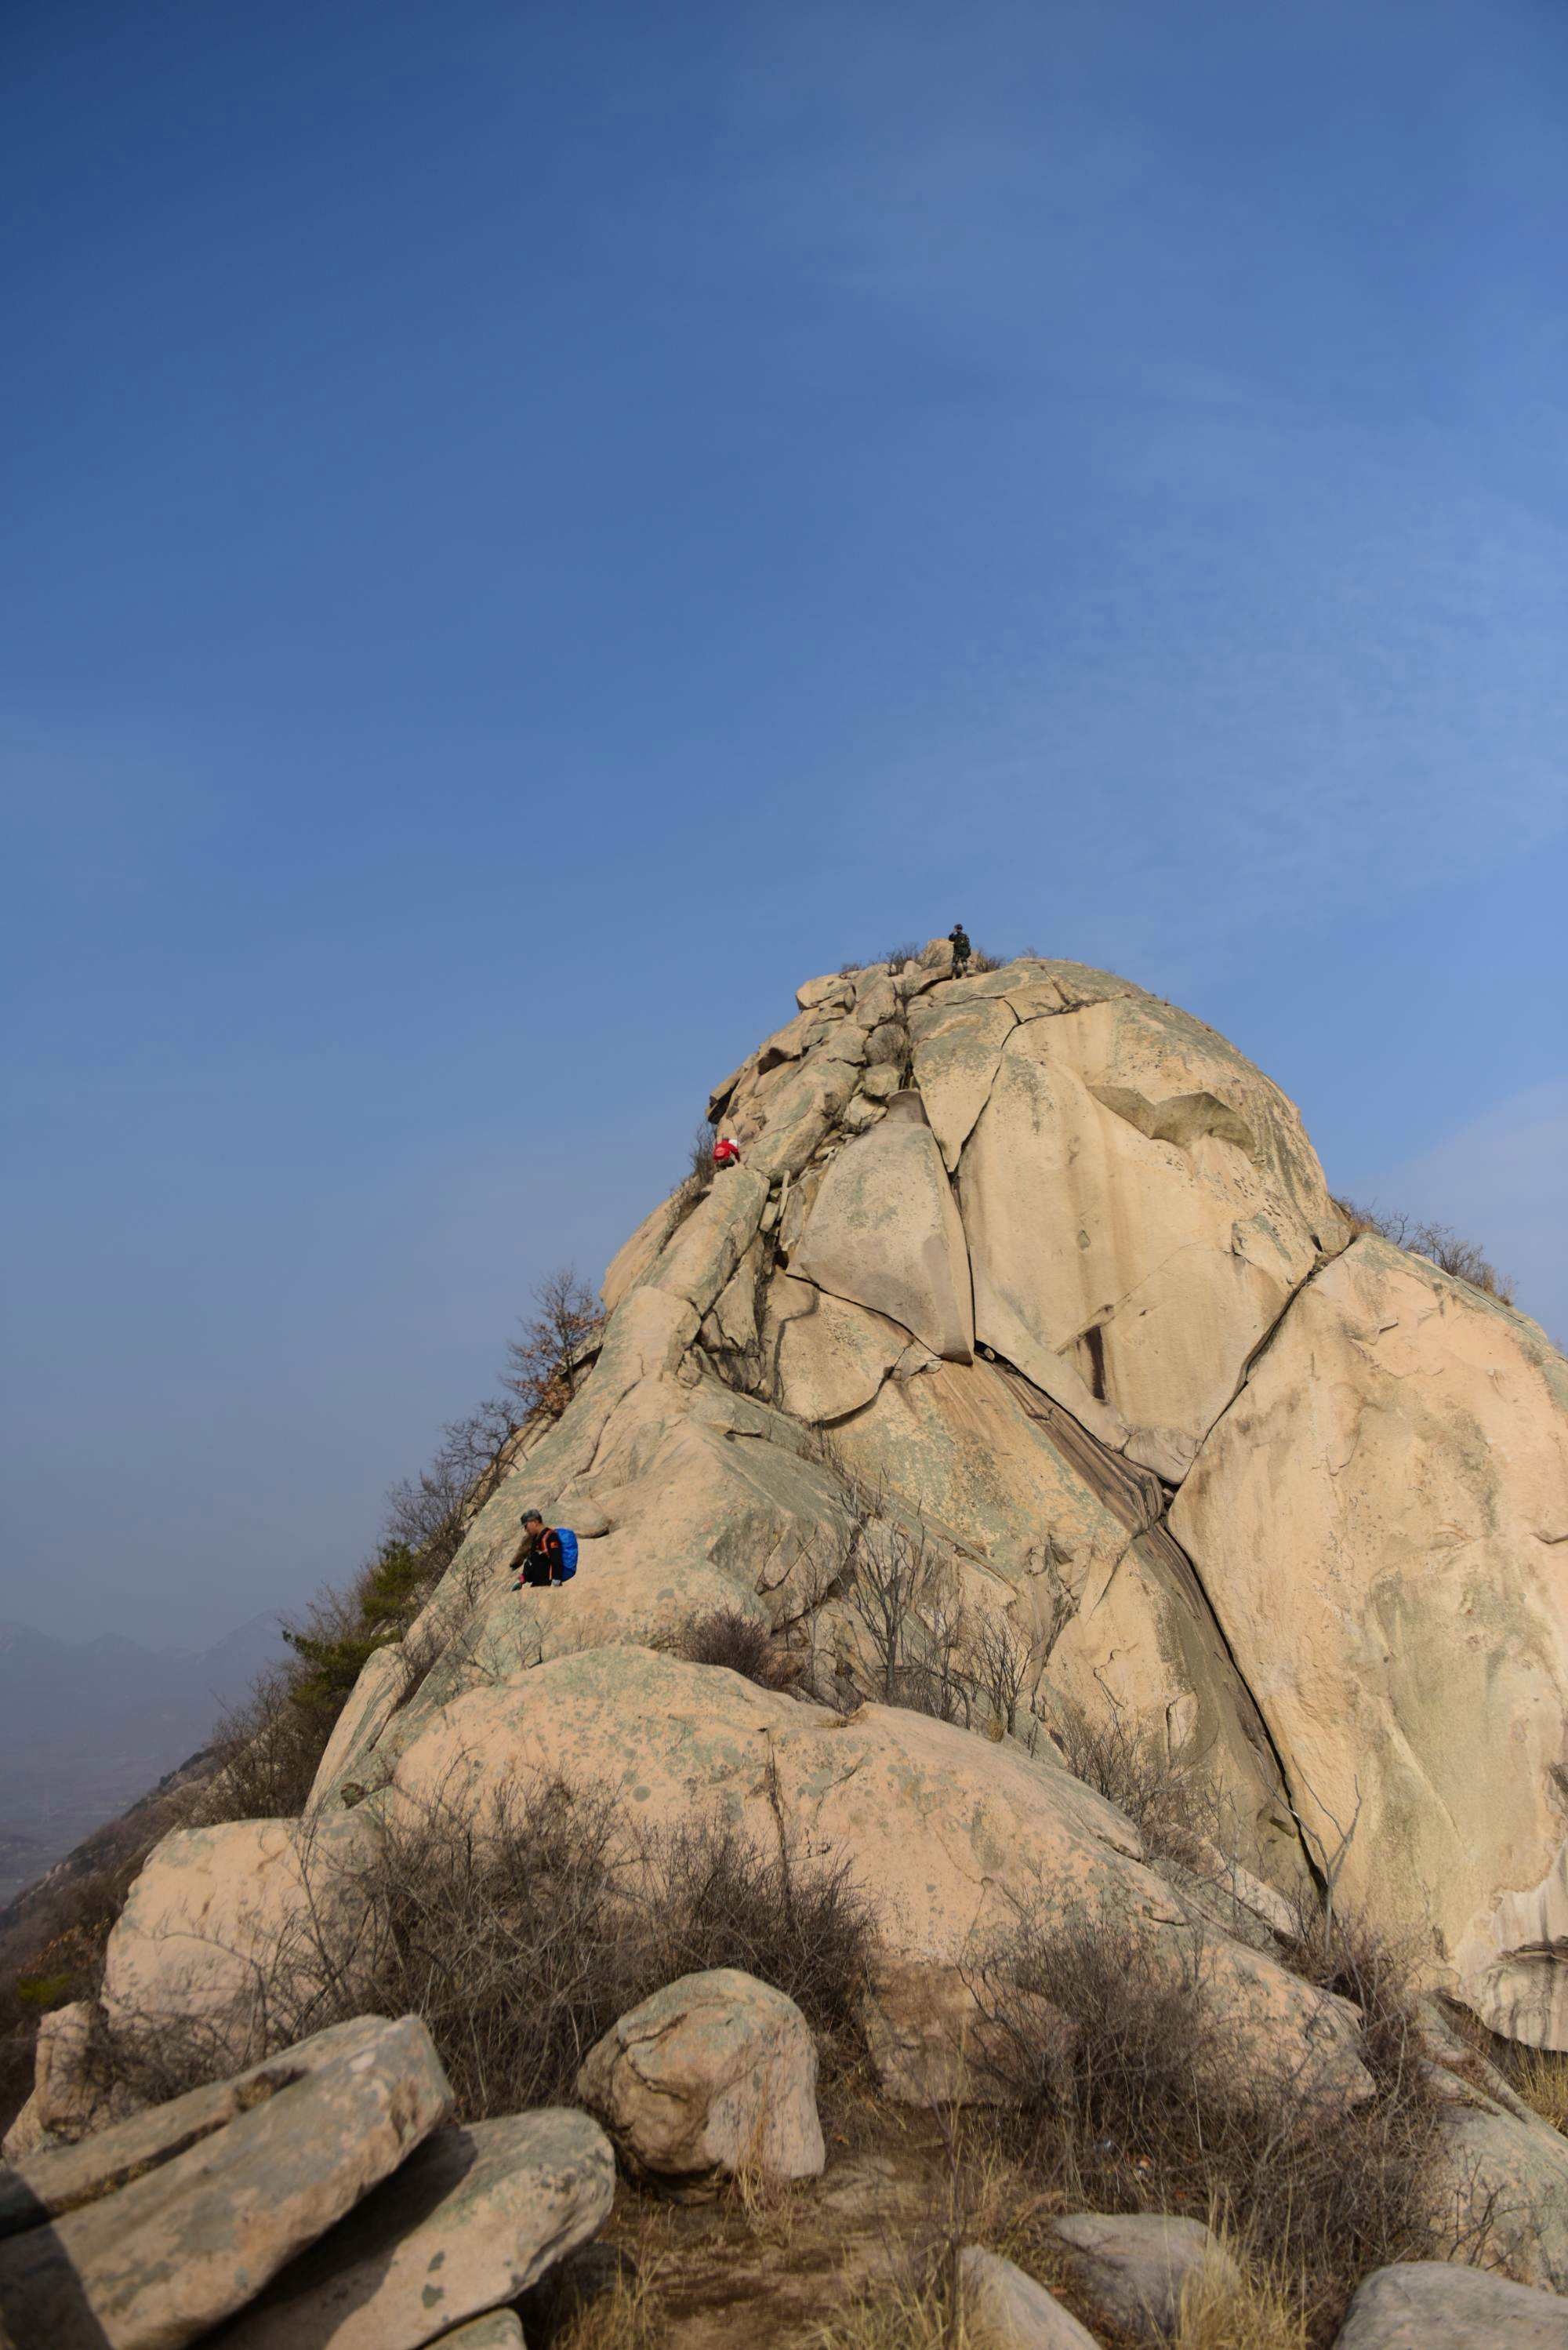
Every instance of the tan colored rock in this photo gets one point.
(940, 2035)
(1005, 2310)
(174, 2253)
(885, 1234)
(834, 1358)
(958, 1051)
(947, 1834)
(1139, 1204)
(634, 1256)
(819, 995)
(63, 2178)
(1375, 1522)
(1433, 2305)
(713, 2077)
(373, 1702)
(1134, 2267)
(1497, 2192)
(222, 1920)
(468, 2224)
(74, 2091)
(26, 2133)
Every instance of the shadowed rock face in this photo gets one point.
(1035, 1272)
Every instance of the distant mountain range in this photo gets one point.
(87, 1726)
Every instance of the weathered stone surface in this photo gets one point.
(939, 2035)
(1374, 1521)
(26, 2133)
(1134, 2267)
(372, 1702)
(73, 2091)
(946, 1832)
(468, 2224)
(1499, 2193)
(1434, 2306)
(1005, 2310)
(63, 2178)
(1139, 1203)
(885, 1234)
(215, 1916)
(713, 2076)
(815, 995)
(634, 1256)
(958, 1051)
(499, 2329)
(834, 1358)
(174, 2253)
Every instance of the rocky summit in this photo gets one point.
(1020, 1385)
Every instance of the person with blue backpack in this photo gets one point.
(549, 1554)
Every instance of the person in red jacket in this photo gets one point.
(726, 1152)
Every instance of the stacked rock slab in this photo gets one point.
(1040, 1271)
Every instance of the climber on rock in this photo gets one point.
(549, 1554)
(726, 1152)
(959, 938)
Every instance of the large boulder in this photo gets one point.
(471, 2222)
(885, 1234)
(1139, 1203)
(947, 1834)
(713, 2077)
(1497, 2189)
(178, 2248)
(1432, 2305)
(1374, 1521)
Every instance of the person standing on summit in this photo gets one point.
(959, 938)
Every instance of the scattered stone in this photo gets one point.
(1438, 2305)
(713, 2075)
(468, 2224)
(64, 2178)
(1134, 2267)
(1005, 2310)
(175, 2251)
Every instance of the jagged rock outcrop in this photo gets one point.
(1036, 1276)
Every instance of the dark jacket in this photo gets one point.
(541, 1561)
(960, 945)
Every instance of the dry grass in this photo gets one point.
(520, 1936)
(1540, 2075)
(1133, 1767)
(1246, 2307)
(900, 2315)
(1160, 2106)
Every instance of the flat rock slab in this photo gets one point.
(714, 2075)
(177, 2251)
(1134, 2267)
(1438, 2305)
(466, 2226)
(63, 2179)
(1005, 2310)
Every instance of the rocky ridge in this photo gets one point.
(1029, 1298)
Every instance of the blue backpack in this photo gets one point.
(568, 1553)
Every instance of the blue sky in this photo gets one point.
(528, 531)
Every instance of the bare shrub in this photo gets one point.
(544, 1361)
(897, 957)
(980, 961)
(1160, 2104)
(1539, 2075)
(725, 1636)
(519, 1936)
(1134, 1767)
(1465, 1259)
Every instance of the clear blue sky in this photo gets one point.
(528, 530)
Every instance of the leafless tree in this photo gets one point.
(542, 1362)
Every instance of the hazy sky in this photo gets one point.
(529, 530)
